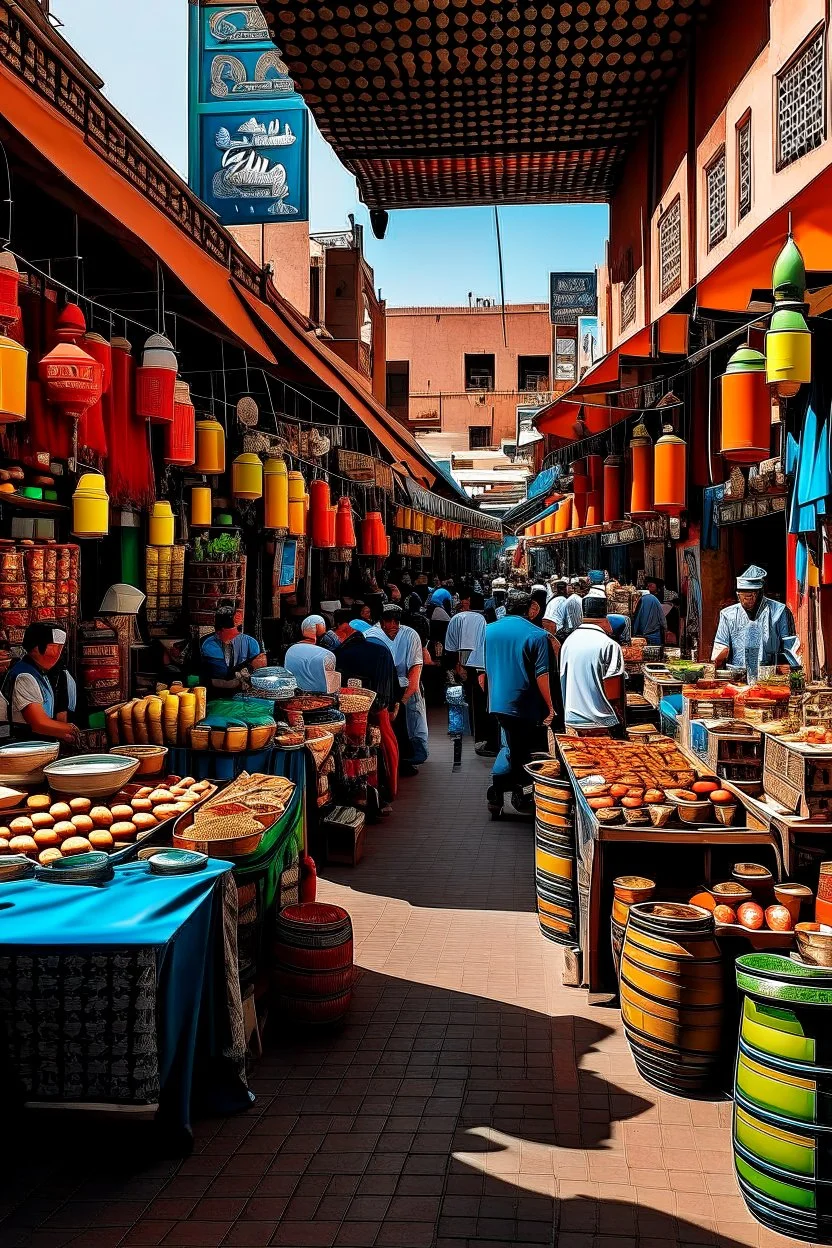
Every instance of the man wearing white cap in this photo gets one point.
(31, 704)
(757, 632)
(573, 612)
(554, 616)
(306, 660)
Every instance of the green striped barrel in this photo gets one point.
(783, 1095)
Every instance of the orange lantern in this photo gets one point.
(670, 475)
(593, 508)
(613, 509)
(746, 408)
(641, 464)
(319, 504)
(156, 381)
(180, 435)
(595, 472)
(344, 526)
(297, 506)
(72, 379)
(549, 523)
(367, 536)
(563, 515)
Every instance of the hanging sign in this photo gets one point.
(248, 128)
(572, 295)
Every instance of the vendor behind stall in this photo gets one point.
(33, 704)
(757, 632)
(227, 652)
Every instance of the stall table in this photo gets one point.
(123, 995)
(594, 884)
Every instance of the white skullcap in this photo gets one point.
(310, 624)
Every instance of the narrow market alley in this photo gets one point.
(469, 1099)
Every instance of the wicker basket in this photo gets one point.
(355, 701)
(319, 746)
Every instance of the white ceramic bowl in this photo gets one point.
(22, 758)
(91, 775)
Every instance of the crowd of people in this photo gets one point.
(522, 659)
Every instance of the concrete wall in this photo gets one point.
(286, 248)
(435, 342)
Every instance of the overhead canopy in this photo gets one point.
(431, 103)
(434, 505)
(585, 404)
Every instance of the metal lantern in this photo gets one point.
(71, 378)
(247, 477)
(746, 408)
(276, 494)
(156, 381)
(641, 468)
(613, 510)
(788, 352)
(670, 473)
(180, 435)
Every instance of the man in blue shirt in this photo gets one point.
(519, 694)
(227, 652)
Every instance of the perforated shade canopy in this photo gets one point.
(436, 102)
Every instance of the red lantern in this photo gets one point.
(670, 475)
(593, 507)
(330, 526)
(156, 381)
(9, 289)
(344, 527)
(319, 505)
(367, 536)
(595, 472)
(613, 489)
(91, 430)
(580, 485)
(180, 435)
(641, 489)
(71, 378)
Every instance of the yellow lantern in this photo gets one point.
(210, 447)
(91, 507)
(247, 477)
(200, 506)
(419, 522)
(161, 524)
(297, 510)
(408, 517)
(13, 363)
(788, 352)
(430, 526)
(276, 486)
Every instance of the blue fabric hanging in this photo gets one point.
(712, 496)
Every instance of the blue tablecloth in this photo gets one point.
(116, 991)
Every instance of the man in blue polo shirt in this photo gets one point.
(519, 694)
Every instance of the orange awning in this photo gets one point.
(585, 401)
(345, 382)
(605, 374)
(60, 143)
(748, 268)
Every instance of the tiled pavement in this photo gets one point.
(470, 1101)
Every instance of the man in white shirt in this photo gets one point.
(307, 661)
(573, 612)
(411, 723)
(555, 614)
(592, 674)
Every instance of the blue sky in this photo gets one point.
(430, 256)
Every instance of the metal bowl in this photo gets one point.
(814, 943)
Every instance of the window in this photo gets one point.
(628, 302)
(670, 250)
(479, 437)
(801, 106)
(479, 372)
(717, 195)
(744, 168)
(533, 372)
(398, 389)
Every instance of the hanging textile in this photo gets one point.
(130, 469)
(92, 438)
(712, 497)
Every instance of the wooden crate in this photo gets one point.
(655, 688)
(707, 706)
(799, 776)
(732, 742)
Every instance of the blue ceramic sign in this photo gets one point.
(249, 129)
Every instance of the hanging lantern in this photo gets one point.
(788, 352)
(563, 515)
(593, 508)
(344, 526)
(72, 379)
(595, 472)
(91, 507)
(161, 524)
(367, 536)
(319, 504)
(789, 340)
(9, 290)
(379, 535)
(156, 381)
(549, 523)
(430, 526)
(580, 487)
(670, 473)
(210, 447)
(180, 435)
(330, 526)
(613, 509)
(297, 507)
(419, 522)
(641, 466)
(276, 494)
(746, 408)
(200, 506)
(247, 476)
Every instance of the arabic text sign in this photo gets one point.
(572, 295)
